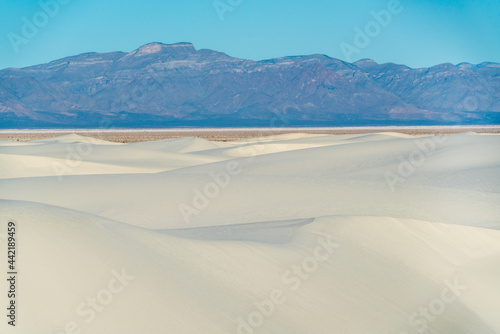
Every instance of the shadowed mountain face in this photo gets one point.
(162, 85)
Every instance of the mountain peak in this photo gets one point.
(156, 47)
(365, 63)
(150, 48)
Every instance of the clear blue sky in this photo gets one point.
(422, 33)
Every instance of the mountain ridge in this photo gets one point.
(178, 85)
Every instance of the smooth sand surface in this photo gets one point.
(377, 233)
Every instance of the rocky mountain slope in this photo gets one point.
(178, 85)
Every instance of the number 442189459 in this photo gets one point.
(11, 233)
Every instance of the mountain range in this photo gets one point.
(171, 85)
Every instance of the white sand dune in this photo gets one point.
(357, 234)
(77, 155)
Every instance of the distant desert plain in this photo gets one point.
(228, 134)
